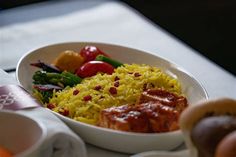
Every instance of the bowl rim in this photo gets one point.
(176, 66)
(126, 133)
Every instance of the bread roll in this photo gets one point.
(227, 147)
(196, 113)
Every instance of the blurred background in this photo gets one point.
(207, 26)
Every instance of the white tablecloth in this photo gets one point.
(30, 27)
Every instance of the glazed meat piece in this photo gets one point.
(155, 111)
(161, 118)
(147, 117)
(179, 103)
(125, 118)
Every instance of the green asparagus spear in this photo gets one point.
(113, 62)
(61, 79)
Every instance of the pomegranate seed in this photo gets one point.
(87, 98)
(113, 90)
(98, 87)
(50, 106)
(64, 112)
(137, 74)
(117, 78)
(116, 84)
(75, 92)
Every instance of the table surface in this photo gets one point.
(25, 28)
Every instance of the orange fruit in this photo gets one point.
(68, 61)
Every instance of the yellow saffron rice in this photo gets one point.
(85, 101)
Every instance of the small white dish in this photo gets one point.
(106, 138)
(182, 153)
(20, 134)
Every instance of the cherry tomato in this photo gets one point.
(89, 53)
(92, 67)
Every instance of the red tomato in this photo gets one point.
(89, 53)
(92, 67)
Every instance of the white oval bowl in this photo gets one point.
(106, 138)
(19, 134)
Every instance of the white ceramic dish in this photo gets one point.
(20, 135)
(107, 138)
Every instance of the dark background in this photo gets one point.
(207, 26)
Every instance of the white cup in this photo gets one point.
(20, 134)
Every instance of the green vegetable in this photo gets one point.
(46, 95)
(113, 62)
(61, 79)
(42, 96)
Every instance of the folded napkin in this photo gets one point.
(60, 141)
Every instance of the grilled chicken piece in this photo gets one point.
(125, 118)
(161, 118)
(145, 118)
(155, 111)
(179, 103)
